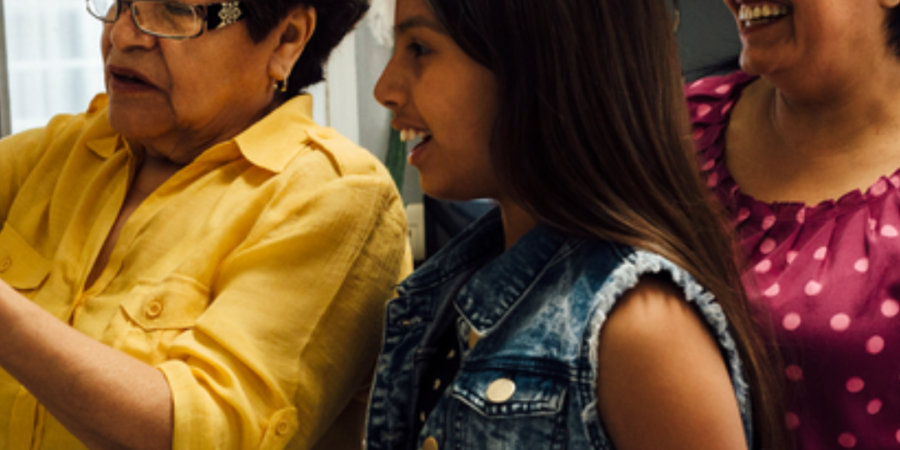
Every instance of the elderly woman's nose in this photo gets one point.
(390, 90)
(125, 33)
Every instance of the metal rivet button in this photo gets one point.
(430, 444)
(154, 308)
(473, 338)
(501, 390)
(5, 264)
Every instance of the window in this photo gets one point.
(54, 64)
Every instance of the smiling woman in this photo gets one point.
(801, 149)
(193, 262)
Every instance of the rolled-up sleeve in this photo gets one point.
(294, 324)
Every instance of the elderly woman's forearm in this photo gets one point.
(106, 398)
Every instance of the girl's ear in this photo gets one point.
(295, 31)
(889, 3)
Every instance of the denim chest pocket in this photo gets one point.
(500, 409)
(154, 314)
(21, 266)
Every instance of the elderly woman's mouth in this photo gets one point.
(761, 13)
(128, 78)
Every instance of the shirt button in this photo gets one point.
(501, 390)
(430, 444)
(154, 308)
(5, 264)
(282, 428)
(325, 134)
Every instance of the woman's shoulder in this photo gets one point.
(660, 282)
(649, 307)
(633, 266)
(657, 351)
(290, 143)
(347, 157)
(710, 99)
(328, 157)
(710, 104)
(717, 87)
(330, 162)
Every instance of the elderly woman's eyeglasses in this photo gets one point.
(170, 19)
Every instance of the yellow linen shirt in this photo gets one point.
(255, 278)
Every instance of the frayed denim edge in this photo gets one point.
(625, 277)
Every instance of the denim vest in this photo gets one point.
(536, 312)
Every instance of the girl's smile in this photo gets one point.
(443, 97)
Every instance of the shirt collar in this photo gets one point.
(498, 286)
(275, 140)
(100, 137)
(500, 283)
(481, 240)
(270, 143)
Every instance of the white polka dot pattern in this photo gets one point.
(829, 276)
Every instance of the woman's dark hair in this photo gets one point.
(893, 29)
(334, 19)
(592, 138)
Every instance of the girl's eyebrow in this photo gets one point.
(416, 22)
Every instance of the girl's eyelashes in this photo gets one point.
(418, 49)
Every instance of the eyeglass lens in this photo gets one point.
(163, 18)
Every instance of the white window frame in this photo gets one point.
(5, 116)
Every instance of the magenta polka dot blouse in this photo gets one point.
(828, 279)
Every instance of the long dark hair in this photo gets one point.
(592, 138)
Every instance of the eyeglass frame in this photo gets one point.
(212, 15)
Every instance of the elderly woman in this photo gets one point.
(802, 148)
(193, 262)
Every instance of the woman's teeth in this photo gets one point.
(749, 13)
(410, 134)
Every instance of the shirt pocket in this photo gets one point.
(21, 266)
(154, 314)
(502, 408)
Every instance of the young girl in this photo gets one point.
(597, 307)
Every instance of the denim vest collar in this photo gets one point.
(518, 267)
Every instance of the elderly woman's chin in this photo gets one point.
(137, 125)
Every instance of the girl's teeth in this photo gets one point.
(410, 134)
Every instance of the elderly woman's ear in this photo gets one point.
(294, 32)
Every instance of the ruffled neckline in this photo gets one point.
(711, 101)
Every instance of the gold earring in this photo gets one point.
(281, 85)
